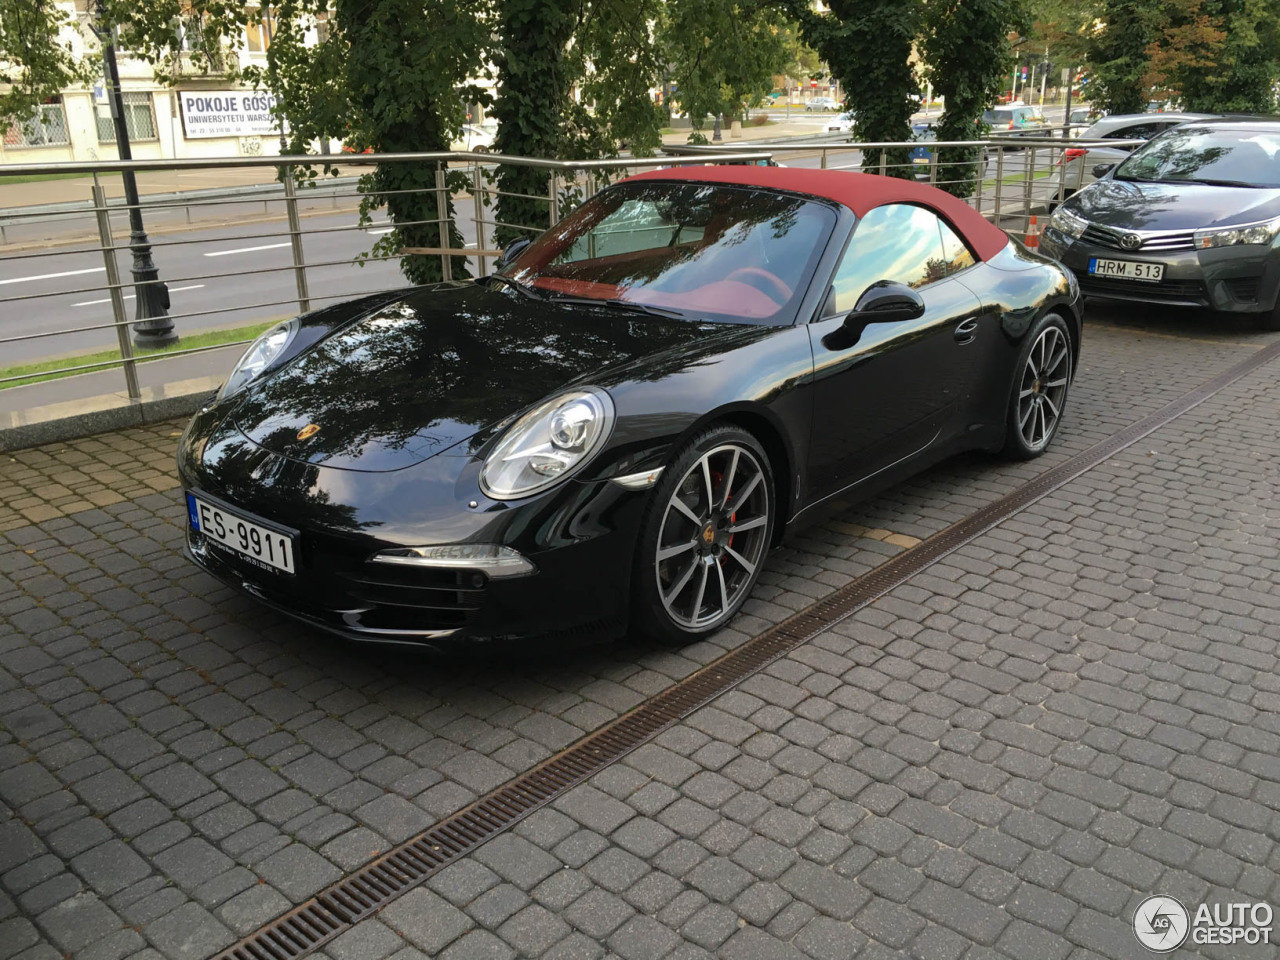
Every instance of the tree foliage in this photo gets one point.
(1118, 53)
(967, 49)
(1217, 56)
(867, 45)
(722, 54)
(35, 62)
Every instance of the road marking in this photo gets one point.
(388, 230)
(130, 296)
(265, 246)
(51, 276)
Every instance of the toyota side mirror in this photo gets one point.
(883, 302)
(509, 255)
(1100, 170)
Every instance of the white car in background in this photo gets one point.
(841, 124)
(474, 138)
(1080, 161)
(821, 103)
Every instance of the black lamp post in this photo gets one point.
(153, 327)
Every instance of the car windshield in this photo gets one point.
(738, 254)
(1226, 156)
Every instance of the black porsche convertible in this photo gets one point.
(612, 430)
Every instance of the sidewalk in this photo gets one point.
(999, 759)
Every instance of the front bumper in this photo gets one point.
(580, 537)
(1242, 279)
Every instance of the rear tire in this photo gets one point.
(704, 537)
(1039, 395)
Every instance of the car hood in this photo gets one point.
(1130, 205)
(422, 374)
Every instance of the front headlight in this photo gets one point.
(1256, 233)
(260, 355)
(1064, 221)
(547, 444)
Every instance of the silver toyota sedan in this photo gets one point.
(1189, 219)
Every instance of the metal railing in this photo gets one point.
(1011, 182)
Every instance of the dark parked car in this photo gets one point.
(1191, 219)
(615, 428)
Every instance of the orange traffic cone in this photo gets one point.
(1033, 235)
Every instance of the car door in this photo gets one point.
(900, 386)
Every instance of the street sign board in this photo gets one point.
(226, 113)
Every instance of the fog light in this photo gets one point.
(494, 560)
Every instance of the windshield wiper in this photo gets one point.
(630, 306)
(531, 292)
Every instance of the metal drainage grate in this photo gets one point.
(373, 886)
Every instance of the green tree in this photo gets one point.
(1217, 55)
(966, 46)
(1118, 54)
(36, 62)
(391, 76)
(867, 45)
(722, 54)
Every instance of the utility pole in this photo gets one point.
(153, 327)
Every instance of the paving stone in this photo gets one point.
(427, 921)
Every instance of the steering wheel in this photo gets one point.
(764, 281)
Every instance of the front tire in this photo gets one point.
(704, 537)
(1039, 395)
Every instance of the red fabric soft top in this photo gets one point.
(859, 192)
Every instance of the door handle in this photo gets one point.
(967, 331)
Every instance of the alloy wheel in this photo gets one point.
(1043, 388)
(713, 537)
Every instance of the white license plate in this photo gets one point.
(263, 546)
(1127, 269)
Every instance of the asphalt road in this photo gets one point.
(230, 275)
(239, 273)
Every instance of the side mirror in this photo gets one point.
(1100, 170)
(886, 302)
(883, 302)
(510, 254)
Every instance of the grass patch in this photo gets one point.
(1019, 178)
(56, 369)
(39, 177)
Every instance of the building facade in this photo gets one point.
(201, 115)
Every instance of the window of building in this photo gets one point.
(139, 120)
(259, 31)
(47, 127)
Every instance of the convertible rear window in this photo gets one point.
(707, 250)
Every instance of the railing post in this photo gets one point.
(477, 198)
(824, 158)
(981, 178)
(1026, 188)
(295, 239)
(554, 196)
(117, 298)
(995, 218)
(933, 166)
(884, 161)
(442, 217)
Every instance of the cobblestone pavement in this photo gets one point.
(999, 759)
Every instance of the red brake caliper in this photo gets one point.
(716, 478)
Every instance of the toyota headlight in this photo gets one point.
(1261, 233)
(547, 444)
(1064, 221)
(261, 354)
